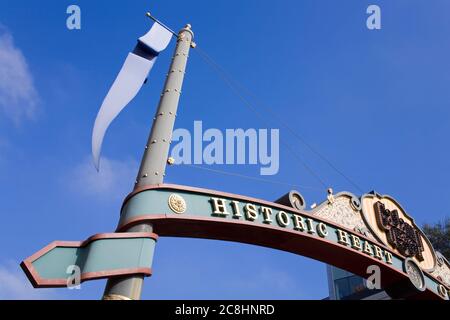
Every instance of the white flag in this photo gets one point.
(128, 82)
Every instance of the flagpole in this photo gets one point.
(154, 161)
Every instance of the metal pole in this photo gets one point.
(153, 164)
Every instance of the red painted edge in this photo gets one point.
(38, 282)
(249, 199)
(245, 198)
(273, 237)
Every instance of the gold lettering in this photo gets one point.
(282, 219)
(368, 248)
(378, 252)
(388, 256)
(219, 206)
(356, 242)
(250, 212)
(266, 214)
(322, 230)
(299, 223)
(236, 210)
(309, 223)
(343, 237)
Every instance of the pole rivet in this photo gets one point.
(145, 175)
(154, 141)
(156, 173)
(170, 160)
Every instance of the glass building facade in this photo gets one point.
(344, 285)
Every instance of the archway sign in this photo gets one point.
(345, 231)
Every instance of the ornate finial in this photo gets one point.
(188, 26)
(330, 196)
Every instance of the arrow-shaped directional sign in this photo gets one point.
(100, 256)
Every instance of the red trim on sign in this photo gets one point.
(257, 201)
(298, 242)
(38, 282)
(130, 222)
(208, 192)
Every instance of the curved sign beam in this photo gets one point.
(351, 233)
(335, 232)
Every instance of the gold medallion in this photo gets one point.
(177, 203)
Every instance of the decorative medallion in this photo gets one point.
(415, 274)
(297, 200)
(442, 291)
(394, 227)
(293, 199)
(177, 203)
(400, 235)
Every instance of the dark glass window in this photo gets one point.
(349, 286)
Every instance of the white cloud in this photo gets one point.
(18, 96)
(15, 285)
(114, 179)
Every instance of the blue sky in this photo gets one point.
(375, 103)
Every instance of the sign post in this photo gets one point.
(153, 164)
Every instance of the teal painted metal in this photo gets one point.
(98, 257)
(198, 204)
(101, 255)
(156, 202)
